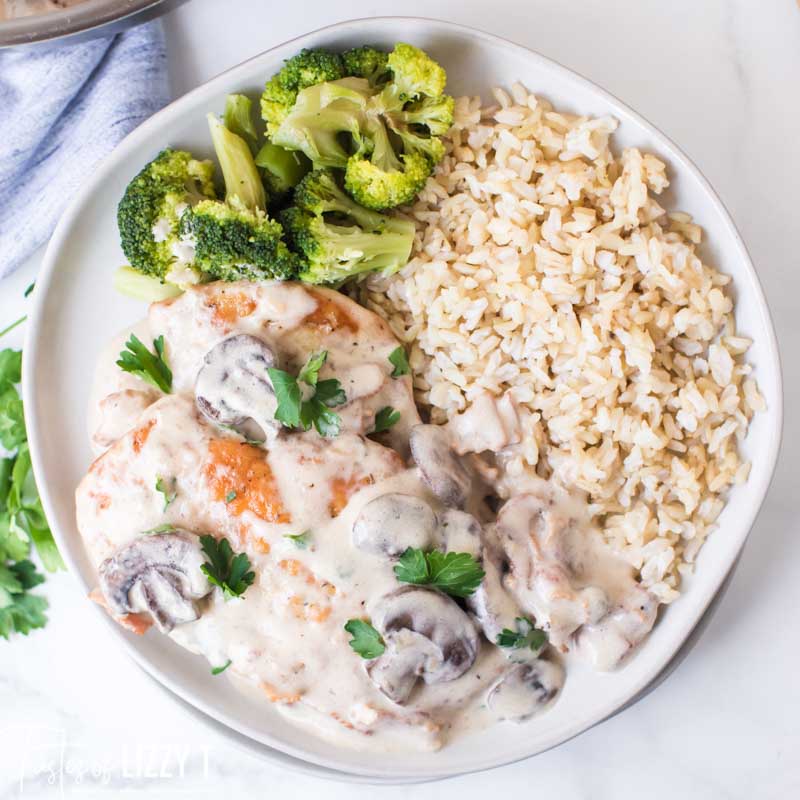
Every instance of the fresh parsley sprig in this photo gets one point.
(399, 360)
(366, 641)
(22, 519)
(220, 670)
(150, 367)
(456, 574)
(230, 572)
(295, 411)
(527, 635)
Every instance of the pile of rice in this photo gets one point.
(544, 267)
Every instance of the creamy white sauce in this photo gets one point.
(285, 636)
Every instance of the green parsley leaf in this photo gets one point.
(230, 497)
(10, 367)
(289, 396)
(295, 412)
(366, 641)
(301, 540)
(169, 488)
(20, 612)
(399, 361)
(12, 419)
(456, 574)
(224, 569)
(167, 527)
(220, 670)
(385, 418)
(526, 635)
(310, 372)
(151, 367)
(29, 289)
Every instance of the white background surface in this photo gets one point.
(721, 78)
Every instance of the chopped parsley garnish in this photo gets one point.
(230, 497)
(526, 635)
(456, 574)
(150, 367)
(385, 418)
(399, 360)
(29, 289)
(300, 540)
(220, 670)
(224, 569)
(167, 527)
(366, 641)
(294, 411)
(168, 488)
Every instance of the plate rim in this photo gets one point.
(219, 82)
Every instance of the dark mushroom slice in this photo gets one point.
(233, 387)
(428, 637)
(442, 470)
(159, 574)
(391, 523)
(525, 690)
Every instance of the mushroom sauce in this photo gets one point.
(323, 521)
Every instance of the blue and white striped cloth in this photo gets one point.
(62, 109)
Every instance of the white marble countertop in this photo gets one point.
(721, 77)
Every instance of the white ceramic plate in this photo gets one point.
(76, 311)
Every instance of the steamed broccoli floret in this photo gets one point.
(326, 121)
(382, 124)
(150, 211)
(234, 243)
(338, 238)
(307, 68)
(367, 62)
(283, 170)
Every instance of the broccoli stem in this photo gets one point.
(132, 283)
(243, 185)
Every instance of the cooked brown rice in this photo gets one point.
(544, 267)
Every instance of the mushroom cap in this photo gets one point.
(159, 574)
(427, 635)
(442, 470)
(233, 386)
(462, 533)
(525, 690)
(391, 523)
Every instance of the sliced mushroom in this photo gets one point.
(491, 603)
(157, 574)
(442, 470)
(393, 522)
(461, 532)
(427, 637)
(525, 690)
(233, 387)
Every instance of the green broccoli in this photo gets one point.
(243, 184)
(150, 211)
(232, 243)
(367, 62)
(283, 170)
(340, 239)
(382, 124)
(307, 68)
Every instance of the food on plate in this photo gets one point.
(369, 123)
(406, 506)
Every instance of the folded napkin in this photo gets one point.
(62, 109)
